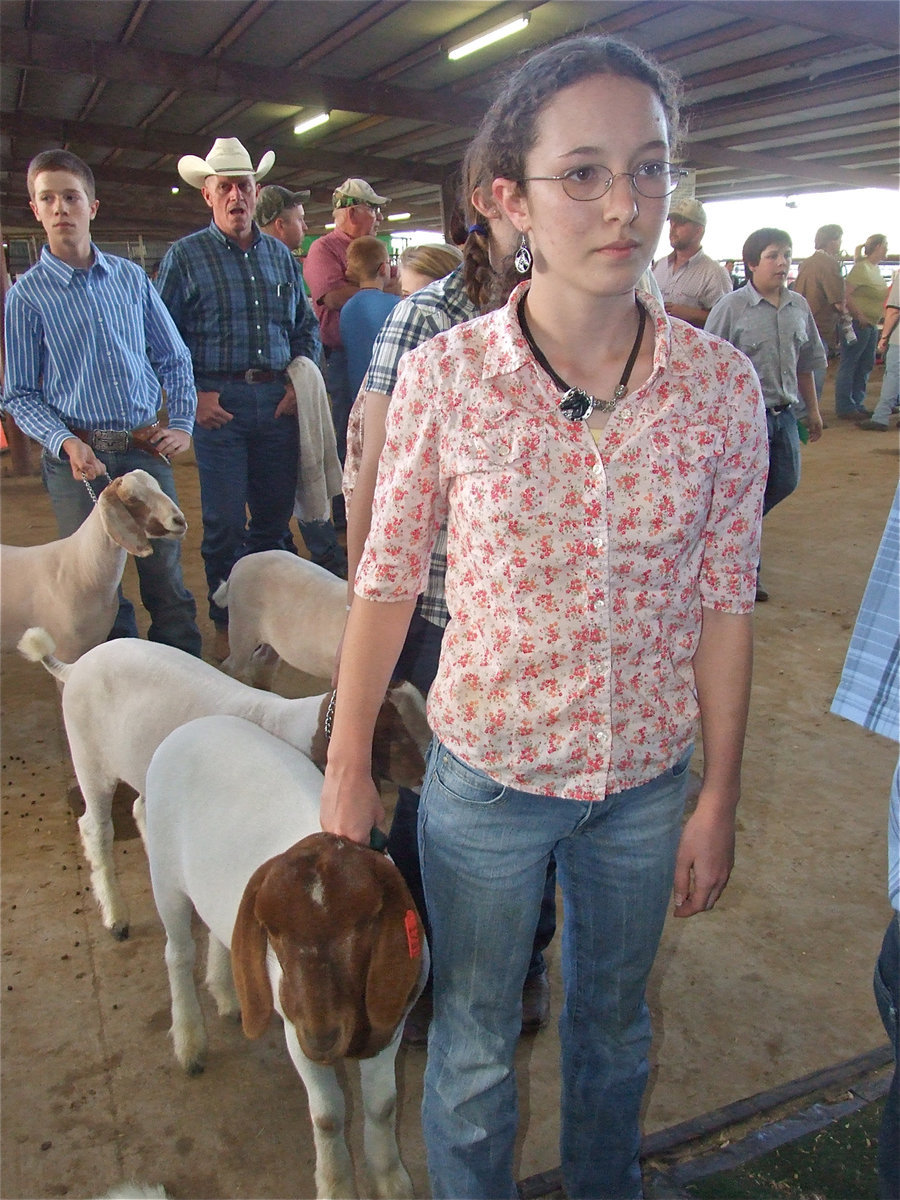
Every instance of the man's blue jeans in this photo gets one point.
(337, 380)
(857, 360)
(484, 851)
(890, 387)
(784, 457)
(247, 466)
(163, 593)
(887, 996)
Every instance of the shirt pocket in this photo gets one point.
(501, 469)
(504, 511)
(285, 301)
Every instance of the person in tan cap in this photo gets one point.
(280, 214)
(237, 301)
(690, 281)
(357, 213)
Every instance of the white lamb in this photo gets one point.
(320, 929)
(281, 606)
(70, 586)
(122, 698)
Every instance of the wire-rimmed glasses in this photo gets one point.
(590, 181)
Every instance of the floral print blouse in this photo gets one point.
(576, 573)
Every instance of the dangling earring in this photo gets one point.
(522, 260)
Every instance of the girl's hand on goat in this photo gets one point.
(350, 805)
(83, 461)
(210, 414)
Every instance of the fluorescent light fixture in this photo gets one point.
(488, 39)
(311, 122)
(399, 216)
(331, 225)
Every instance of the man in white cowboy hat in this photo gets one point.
(357, 213)
(690, 281)
(236, 298)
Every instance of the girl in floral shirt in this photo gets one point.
(601, 470)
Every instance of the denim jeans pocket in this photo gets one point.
(683, 763)
(463, 782)
(886, 999)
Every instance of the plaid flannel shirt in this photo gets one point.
(434, 309)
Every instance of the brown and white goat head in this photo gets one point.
(344, 927)
(399, 742)
(134, 508)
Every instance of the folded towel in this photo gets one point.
(319, 469)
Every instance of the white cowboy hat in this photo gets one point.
(227, 157)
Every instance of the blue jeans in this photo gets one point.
(819, 379)
(887, 996)
(418, 663)
(163, 593)
(485, 850)
(247, 466)
(321, 541)
(890, 387)
(337, 381)
(784, 457)
(857, 360)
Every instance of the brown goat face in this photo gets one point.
(343, 925)
(174, 525)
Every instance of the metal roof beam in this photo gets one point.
(160, 141)
(219, 76)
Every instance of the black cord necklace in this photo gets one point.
(575, 404)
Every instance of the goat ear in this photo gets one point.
(120, 524)
(395, 756)
(396, 960)
(318, 750)
(248, 960)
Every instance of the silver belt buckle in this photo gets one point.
(111, 441)
(250, 375)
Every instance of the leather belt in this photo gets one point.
(118, 441)
(779, 408)
(253, 375)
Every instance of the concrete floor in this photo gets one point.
(771, 986)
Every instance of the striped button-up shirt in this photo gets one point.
(237, 308)
(87, 349)
(869, 691)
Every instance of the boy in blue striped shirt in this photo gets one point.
(88, 342)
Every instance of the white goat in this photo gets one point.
(320, 929)
(121, 699)
(70, 586)
(281, 606)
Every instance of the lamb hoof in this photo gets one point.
(120, 932)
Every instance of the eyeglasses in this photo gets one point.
(591, 181)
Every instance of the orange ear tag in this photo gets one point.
(411, 921)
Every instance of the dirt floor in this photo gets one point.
(771, 986)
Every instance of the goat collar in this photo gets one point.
(329, 713)
(93, 494)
